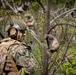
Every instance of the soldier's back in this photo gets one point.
(4, 52)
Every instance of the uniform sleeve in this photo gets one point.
(22, 58)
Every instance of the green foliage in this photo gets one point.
(62, 3)
(53, 1)
(67, 68)
(37, 55)
(35, 6)
(70, 3)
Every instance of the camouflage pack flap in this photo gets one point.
(4, 45)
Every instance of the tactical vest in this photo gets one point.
(4, 51)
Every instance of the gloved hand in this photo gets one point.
(10, 64)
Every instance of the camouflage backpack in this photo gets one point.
(4, 46)
(4, 51)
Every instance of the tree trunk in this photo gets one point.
(46, 28)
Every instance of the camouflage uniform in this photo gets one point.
(16, 56)
(21, 57)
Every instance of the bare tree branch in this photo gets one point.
(10, 7)
(41, 5)
(62, 15)
(59, 25)
(67, 14)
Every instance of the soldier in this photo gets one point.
(16, 57)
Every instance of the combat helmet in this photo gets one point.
(14, 25)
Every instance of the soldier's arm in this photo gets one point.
(23, 59)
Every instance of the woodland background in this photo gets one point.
(57, 17)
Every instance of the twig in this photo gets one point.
(53, 13)
(62, 15)
(10, 6)
(41, 5)
(67, 14)
(70, 53)
(58, 11)
(60, 25)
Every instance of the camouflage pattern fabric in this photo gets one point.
(21, 55)
(23, 58)
(4, 45)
